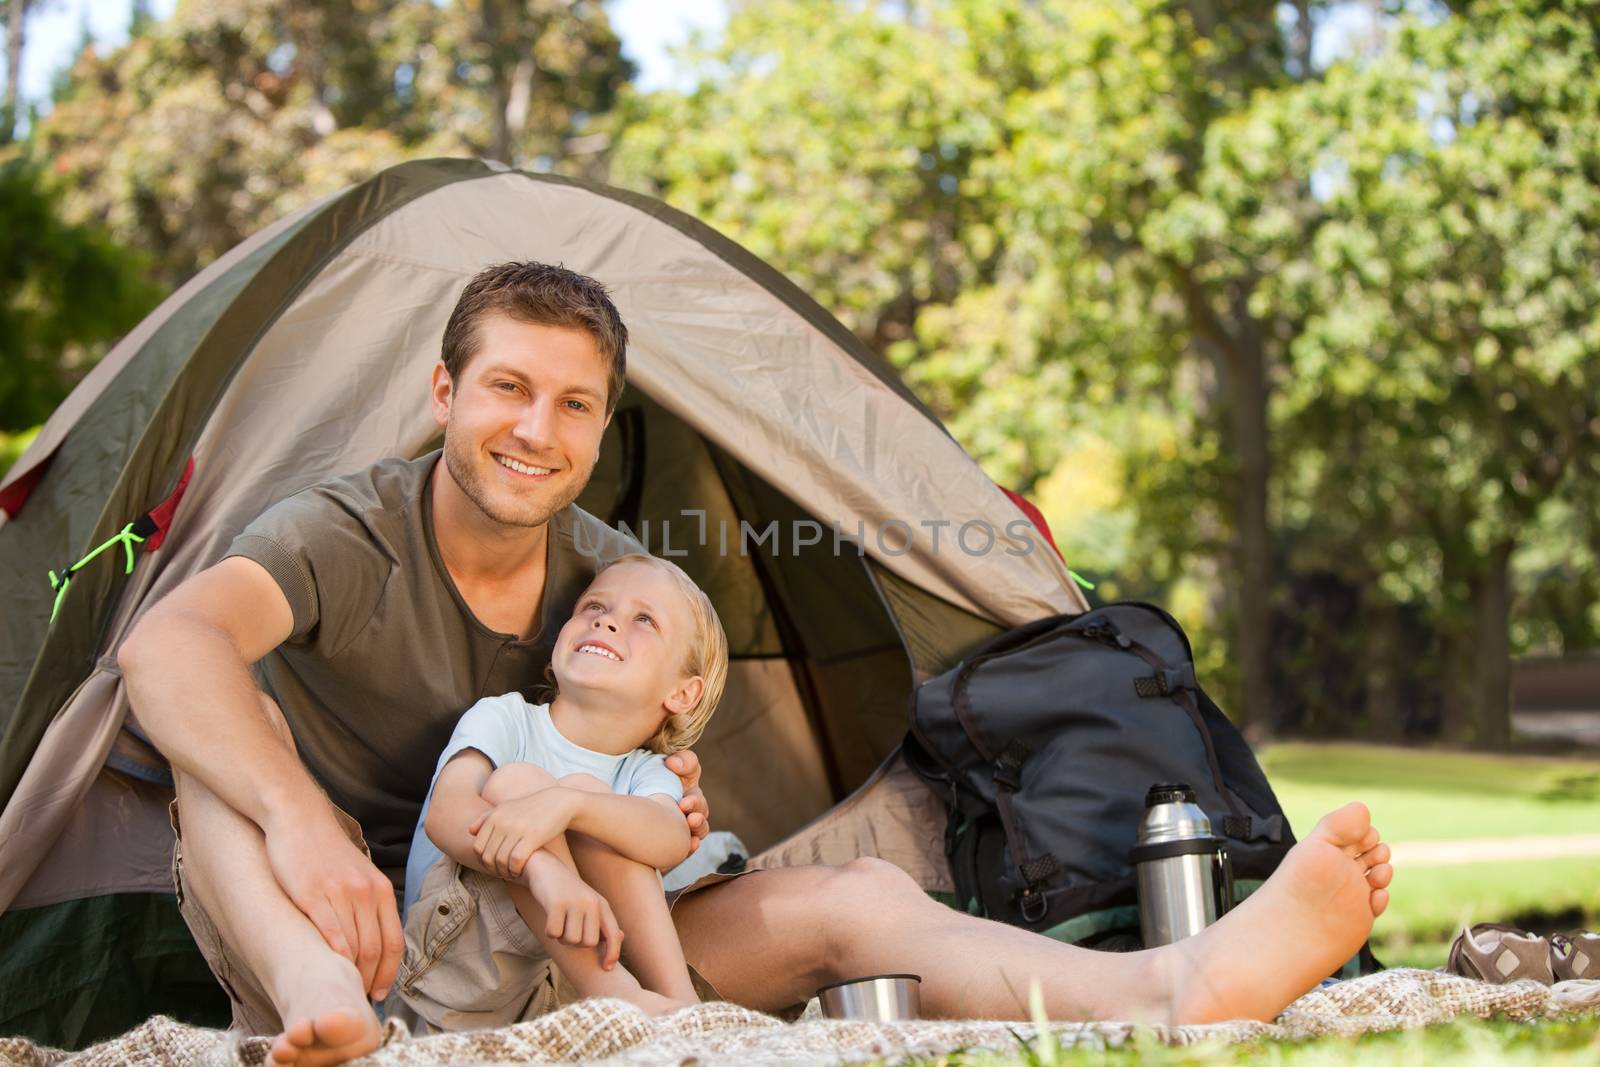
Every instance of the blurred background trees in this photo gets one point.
(1307, 350)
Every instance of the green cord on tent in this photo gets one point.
(1080, 579)
(125, 537)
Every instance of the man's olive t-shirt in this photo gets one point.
(386, 655)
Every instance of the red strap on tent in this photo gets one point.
(13, 496)
(1035, 516)
(159, 518)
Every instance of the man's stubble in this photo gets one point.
(458, 462)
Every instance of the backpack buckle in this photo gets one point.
(1008, 765)
(1031, 904)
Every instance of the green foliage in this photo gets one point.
(68, 292)
(210, 124)
(1339, 327)
(12, 445)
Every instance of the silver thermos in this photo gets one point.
(1185, 880)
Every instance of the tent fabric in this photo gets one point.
(134, 439)
(755, 433)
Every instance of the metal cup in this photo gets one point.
(881, 998)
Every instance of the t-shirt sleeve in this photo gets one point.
(489, 726)
(651, 776)
(326, 560)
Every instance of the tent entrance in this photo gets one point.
(819, 678)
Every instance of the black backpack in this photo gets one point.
(1043, 742)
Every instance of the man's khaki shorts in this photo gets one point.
(471, 962)
(253, 1012)
(512, 980)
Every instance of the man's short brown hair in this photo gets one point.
(544, 295)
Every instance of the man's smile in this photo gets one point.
(526, 469)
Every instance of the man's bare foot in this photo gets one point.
(1304, 922)
(328, 1020)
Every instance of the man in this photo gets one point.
(377, 607)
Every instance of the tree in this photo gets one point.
(972, 186)
(211, 123)
(16, 29)
(69, 291)
(1438, 249)
(1341, 321)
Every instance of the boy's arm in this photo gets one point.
(458, 806)
(457, 802)
(647, 829)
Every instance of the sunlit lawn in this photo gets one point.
(1420, 795)
(1469, 1042)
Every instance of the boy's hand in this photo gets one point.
(507, 834)
(686, 765)
(574, 913)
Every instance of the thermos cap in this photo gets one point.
(1169, 793)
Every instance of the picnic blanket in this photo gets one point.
(724, 1035)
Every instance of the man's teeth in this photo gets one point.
(596, 650)
(523, 468)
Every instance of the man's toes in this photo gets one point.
(337, 1029)
(1380, 900)
(1368, 842)
(1347, 826)
(1380, 876)
(283, 1050)
(1376, 856)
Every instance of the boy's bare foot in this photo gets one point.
(1304, 922)
(656, 1004)
(328, 1020)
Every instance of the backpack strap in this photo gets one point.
(1178, 684)
(1034, 869)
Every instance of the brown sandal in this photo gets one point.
(1575, 955)
(1497, 953)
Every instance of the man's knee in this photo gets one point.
(588, 783)
(869, 881)
(514, 780)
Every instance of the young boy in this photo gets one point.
(546, 825)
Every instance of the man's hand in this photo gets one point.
(508, 834)
(686, 765)
(347, 899)
(574, 913)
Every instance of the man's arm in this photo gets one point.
(187, 669)
(686, 765)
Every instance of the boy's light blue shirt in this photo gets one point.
(508, 729)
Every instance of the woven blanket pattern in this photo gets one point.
(723, 1035)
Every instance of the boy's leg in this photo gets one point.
(634, 891)
(580, 964)
(276, 965)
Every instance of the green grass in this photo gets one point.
(1469, 1042)
(1418, 795)
(1429, 795)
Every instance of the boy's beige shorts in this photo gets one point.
(470, 961)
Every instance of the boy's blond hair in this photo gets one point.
(707, 658)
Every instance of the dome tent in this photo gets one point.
(757, 443)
